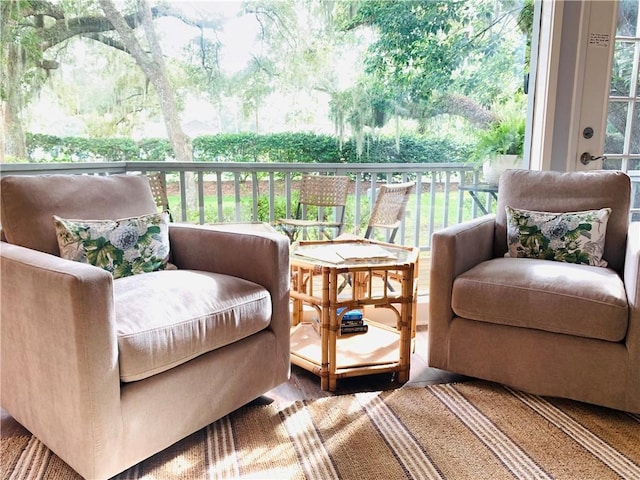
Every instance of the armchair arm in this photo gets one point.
(454, 250)
(632, 285)
(260, 257)
(60, 368)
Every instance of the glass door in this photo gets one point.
(622, 141)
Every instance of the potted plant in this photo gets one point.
(500, 146)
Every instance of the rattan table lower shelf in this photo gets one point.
(378, 347)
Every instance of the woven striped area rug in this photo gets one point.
(472, 430)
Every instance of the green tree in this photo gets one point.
(304, 54)
(23, 69)
(33, 33)
(435, 57)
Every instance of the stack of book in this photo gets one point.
(352, 322)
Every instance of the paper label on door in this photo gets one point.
(599, 40)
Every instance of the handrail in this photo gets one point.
(125, 167)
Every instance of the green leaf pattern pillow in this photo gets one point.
(573, 237)
(123, 247)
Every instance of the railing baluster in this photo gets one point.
(445, 213)
(287, 193)
(272, 198)
(402, 230)
(418, 210)
(219, 198)
(201, 196)
(460, 200)
(255, 194)
(357, 214)
(432, 204)
(183, 196)
(238, 196)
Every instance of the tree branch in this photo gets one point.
(65, 29)
(464, 107)
(169, 11)
(124, 28)
(107, 40)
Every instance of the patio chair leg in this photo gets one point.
(346, 280)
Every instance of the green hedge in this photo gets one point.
(248, 147)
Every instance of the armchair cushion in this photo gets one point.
(557, 297)
(573, 237)
(123, 247)
(168, 317)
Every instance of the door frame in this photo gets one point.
(571, 75)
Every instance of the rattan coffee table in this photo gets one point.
(334, 277)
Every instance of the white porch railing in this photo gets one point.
(244, 192)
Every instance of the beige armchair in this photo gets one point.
(543, 326)
(106, 372)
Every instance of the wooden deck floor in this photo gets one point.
(304, 385)
(423, 273)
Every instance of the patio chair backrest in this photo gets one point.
(328, 193)
(324, 190)
(158, 185)
(390, 207)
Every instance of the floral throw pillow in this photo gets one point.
(123, 247)
(573, 237)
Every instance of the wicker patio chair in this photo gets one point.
(389, 208)
(158, 186)
(388, 211)
(326, 195)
